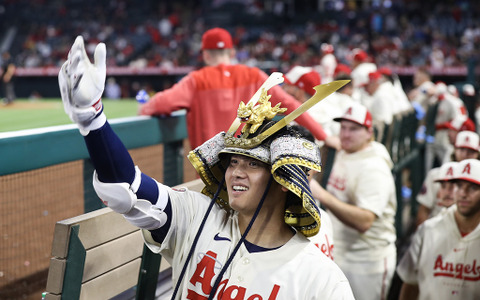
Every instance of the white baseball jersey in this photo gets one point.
(324, 238)
(297, 270)
(428, 195)
(329, 108)
(384, 100)
(403, 104)
(364, 179)
(368, 259)
(328, 64)
(441, 262)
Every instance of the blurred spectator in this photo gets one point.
(112, 89)
(7, 77)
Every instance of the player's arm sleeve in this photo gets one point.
(179, 96)
(408, 266)
(279, 95)
(122, 186)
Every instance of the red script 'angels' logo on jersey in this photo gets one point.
(470, 272)
(203, 277)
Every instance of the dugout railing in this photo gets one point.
(46, 177)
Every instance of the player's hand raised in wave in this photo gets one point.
(82, 84)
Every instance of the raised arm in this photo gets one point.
(121, 186)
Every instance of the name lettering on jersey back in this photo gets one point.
(326, 248)
(203, 278)
(470, 272)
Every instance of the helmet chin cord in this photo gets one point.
(197, 236)
(240, 242)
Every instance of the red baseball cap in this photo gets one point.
(372, 76)
(304, 78)
(342, 69)
(357, 113)
(359, 55)
(385, 71)
(217, 38)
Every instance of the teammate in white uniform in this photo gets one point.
(466, 147)
(246, 242)
(361, 201)
(299, 83)
(449, 108)
(443, 259)
(361, 67)
(328, 63)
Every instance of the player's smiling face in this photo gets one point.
(246, 179)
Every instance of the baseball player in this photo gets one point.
(247, 238)
(445, 178)
(442, 261)
(449, 108)
(303, 79)
(466, 147)
(381, 106)
(217, 89)
(360, 198)
(328, 62)
(361, 66)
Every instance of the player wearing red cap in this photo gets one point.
(299, 82)
(361, 201)
(443, 259)
(212, 94)
(383, 99)
(328, 62)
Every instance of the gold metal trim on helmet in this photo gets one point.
(322, 91)
(285, 153)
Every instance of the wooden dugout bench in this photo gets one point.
(99, 255)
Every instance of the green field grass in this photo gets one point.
(29, 114)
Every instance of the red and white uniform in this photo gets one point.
(328, 64)
(211, 96)
(383, 102)
(269, 274)
(329, 108)
(368, 259)
(443, 263)
(449, 108)
(359, 80)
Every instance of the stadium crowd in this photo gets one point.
(269, 34)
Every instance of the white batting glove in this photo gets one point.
(82, 84)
